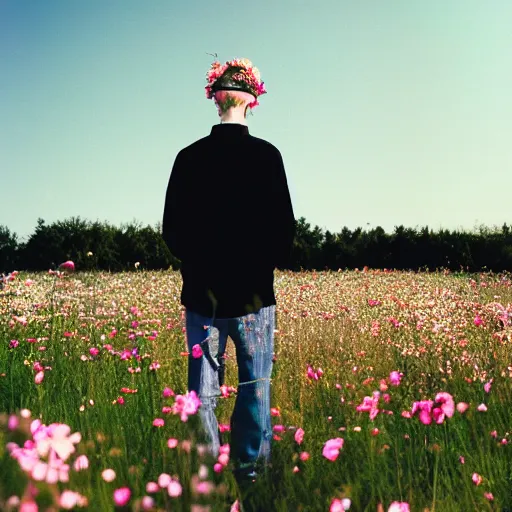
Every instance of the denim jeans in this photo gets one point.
(253, 336)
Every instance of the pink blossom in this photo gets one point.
(481, 408)
(370, 404)
(174, 489)
(197, 351)
(223, 459)
(332, 448)
(122, 496)
(172, 442)
(299, 436)
(395, 378)
(158, 422)
(94, 351)
(340, 505)
(69, 500)
(462, 407)
(488, 496)
(186, 405)
(164, 480)
(167, 392)
(304, 456)
(279, 428)
(13, 422)
(152, 487)
(477, 479)
(397, 506)
(81, 462)
(39, 377)
(425, 410)
(147, 503)
(218, 467)
(67, 265)
(109, 475)
(478, 321)
(487, 386)
(29, 506)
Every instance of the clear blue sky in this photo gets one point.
(386, 112)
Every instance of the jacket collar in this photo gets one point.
(230, 129)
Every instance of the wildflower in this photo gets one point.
(197, 351)
(186, 405)
(147, 503)
(447, 407)
(172, 443)
(425, 409)
(167, 392)
(478, 321)
(332, 448)
(399, 507)
(174, 489)
(39, 377)
(481, 408)
(94, 351)
(69, 500)
(152, 487)
(304, 456)
(299, 436)
(122, 496)
(462, 407)
(164, 480)
(370, 405)
(477, 479)
(158, 422)
(81, 462)
(487, 386)
(67, 265)
(109, 475)
(275, 412)
(340, 505)
(394, 378)
(488, 496)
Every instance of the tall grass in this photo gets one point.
(422, 325)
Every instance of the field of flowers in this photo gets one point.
(391, 392)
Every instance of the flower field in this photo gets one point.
(391, 391)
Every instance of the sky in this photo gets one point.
(386, 113)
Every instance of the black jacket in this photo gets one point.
(228, 217)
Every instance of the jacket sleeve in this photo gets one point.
(174, 229)
(283, 217)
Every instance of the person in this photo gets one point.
(228, 218)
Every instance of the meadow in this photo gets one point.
(391, 391)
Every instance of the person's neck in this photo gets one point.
(233, 116)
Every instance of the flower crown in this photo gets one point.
(236, 75)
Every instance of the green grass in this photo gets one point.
(405, 461)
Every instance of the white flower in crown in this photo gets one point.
(256, 73)
(246, 63)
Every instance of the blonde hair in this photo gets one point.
(224, 100)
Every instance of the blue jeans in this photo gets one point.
(253, 335)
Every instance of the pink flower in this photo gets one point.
(147, 503)
(29, 506)
(39, 377)
(167, 392)
(172, 442)
(13, 422)
(477, 479)
(299, 436)
(370, 404)
(152, 487)
(109, 475)
(174, 489)
(69, 499)
(487, 386)
(488, 496)
(304, 456)
(279, 428)
(478, 321)
(332, 448)
(447, 407)
(218, 467)
(67, 265)
(81, 462)
(397, 506)
(158, 422)
(94, 351)
(164, 480)
(122, 496)
(186, 405)
(394, 378)
(340, 505)
(462, 407)
(425, 410)
(197, 351)
(481, 408)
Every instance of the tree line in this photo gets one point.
(99, 245)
